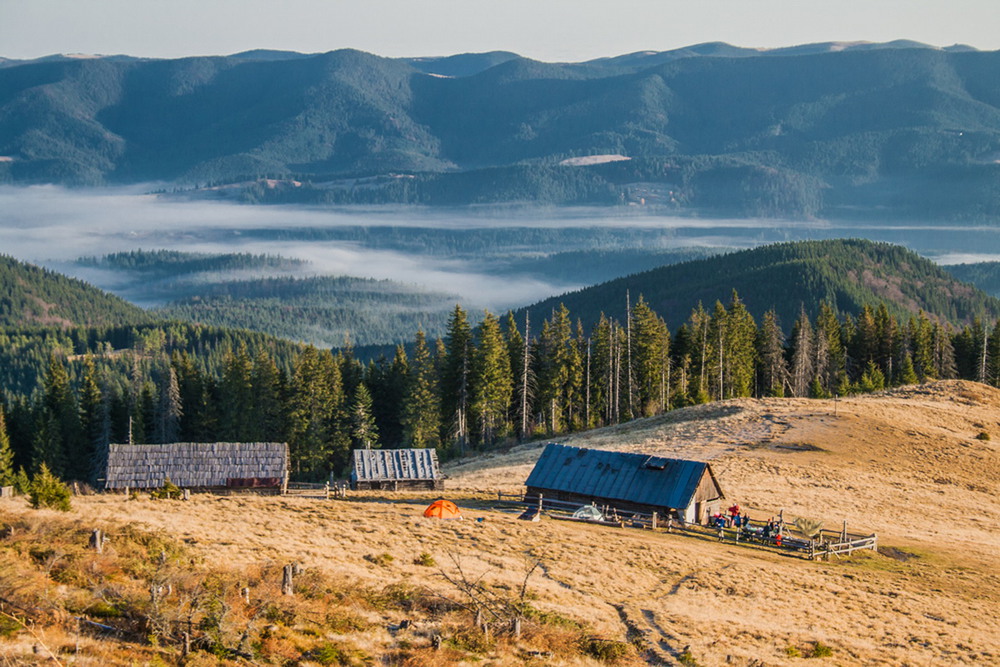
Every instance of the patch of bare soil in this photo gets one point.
(906, 464)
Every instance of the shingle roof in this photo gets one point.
(635, 478)
(194, 464)
(372, 465)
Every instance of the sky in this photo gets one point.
(548, 30)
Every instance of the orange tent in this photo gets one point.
(443, 509)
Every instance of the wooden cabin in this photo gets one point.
(396, 469)
(686, 490)
(198, 465)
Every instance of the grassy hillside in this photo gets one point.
(34, 297)
(378, 581)
(846, 273)
(902, 130)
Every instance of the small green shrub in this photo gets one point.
(820, 650)
(47, 491)
(687, 658)
(471, 640)
(382, 559)
(168, 491)
(332, 653)
(104, 609)
(605, 650)
(983, 435)
(793, 652)
(22, 483)
(9, 627)
(425, 559)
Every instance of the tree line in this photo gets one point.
(477, 388)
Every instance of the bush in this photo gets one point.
(47, 491)
(425, 559)
(169, 490)
(382, 559)
(820, 650)
(983, 435)
(605, 650)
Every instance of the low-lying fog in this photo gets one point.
(53, 226)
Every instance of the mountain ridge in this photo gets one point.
(897, 129)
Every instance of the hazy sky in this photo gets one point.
(551, 30)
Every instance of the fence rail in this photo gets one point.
(827, 543)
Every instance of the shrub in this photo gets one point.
(22, 484)
(820, 650)
(383, 559)
(605, 650)
(793, 652)
(983, 435)
(47, 491)
(169, 490)
(425, 559)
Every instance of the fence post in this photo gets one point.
(654, 521)
(97, 540)
(540, 502)
(286, 580)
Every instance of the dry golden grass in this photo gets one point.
(905, 464)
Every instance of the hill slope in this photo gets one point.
(905, 464)
(846, 273)
(901, 130)
(34, 297)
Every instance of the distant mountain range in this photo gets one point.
(827, 130)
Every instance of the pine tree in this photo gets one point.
(801, 369)
(169, 409)
(313, 412)
(455, 376)
(236, 396)
(267, 422)
(58, 423)
(364, 432)
(907, 374)
(421, 405)
(95, 425)
(6, 453)
(771, 352)
(560, 370)
(651, 349)
(741, 360)
(493, 381)
(518, 350)
(831, 363)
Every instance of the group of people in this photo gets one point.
(740, 520)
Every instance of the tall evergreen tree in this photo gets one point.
(455, 376)
(494, 383)
(801, 369)
(267, 422)
(741, 360)
(651, 349)
(169, 409)
(236, 398)
(771, 352)
(57, 442)
(316, 397)
(6, 453)
(364, 431)
(421, 405)
(95, 425)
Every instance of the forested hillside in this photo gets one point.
(846, 274)
(897, 130)
(984, 275)
(67, 393)
(34, 297)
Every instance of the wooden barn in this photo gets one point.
(686, 490)
(396, 469)
(198, 465)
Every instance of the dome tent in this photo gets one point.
(443, 509)
(588, 513)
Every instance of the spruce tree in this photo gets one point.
(454, 379)
(236, 398)
(6, 453)
(267, 422)
(771, 352)
(364, 432)
(421, 405)
(94, 424)
(801, 368)
(493, 383)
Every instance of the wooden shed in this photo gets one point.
(396, 469)
(687, 490)
(198, 465)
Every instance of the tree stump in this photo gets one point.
(287, 587)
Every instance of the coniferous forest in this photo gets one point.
(475, 389)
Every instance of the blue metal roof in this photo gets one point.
(635, 478)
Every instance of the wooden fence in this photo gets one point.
(825, 544)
